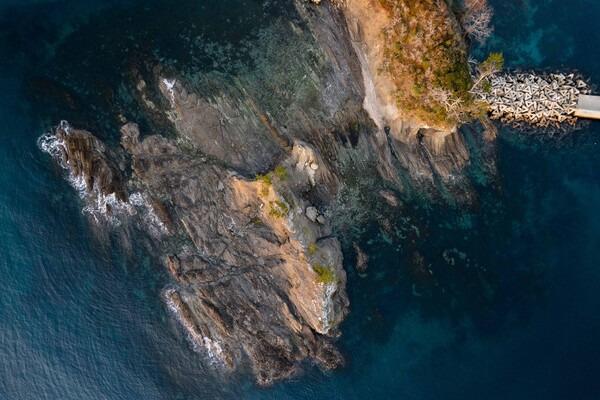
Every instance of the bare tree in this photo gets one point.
(452, 104)
(477, 19)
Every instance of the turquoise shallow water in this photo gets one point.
(501, 301)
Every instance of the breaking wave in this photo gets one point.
(199, 342)
(99, 206)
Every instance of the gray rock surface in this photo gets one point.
(90, 160)
(253, 276)
(312, 213)
(246, 288)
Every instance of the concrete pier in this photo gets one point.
(587, 107)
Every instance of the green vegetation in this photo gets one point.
(312, 249)
(426, 56)
(278, 209)
(325, 275)
(493, 64)
(486, 87)
(281, 172)
(266, 179)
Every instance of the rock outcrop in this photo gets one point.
(247, 286)
(244, 191)
(425, 151)
(89, 160)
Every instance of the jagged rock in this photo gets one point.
(362, 259)
(89, 159)
(389, 197)
(312, 213)
(246, 289)
(245, 285)
(130, 136)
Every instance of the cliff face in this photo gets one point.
(424, 148)
(257, 270)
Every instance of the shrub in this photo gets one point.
(281, 172)
(266, 179)
(325, 275)
(312, 249)
(278, 209)
(494, 63)
(425, 51)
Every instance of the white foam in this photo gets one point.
(101, 207)
(170, 84)
(328, 309)
(50, 144)
(200, 343)
(148, 214)
(98, 204)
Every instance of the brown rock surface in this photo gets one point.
(89, 159)
(253, 277)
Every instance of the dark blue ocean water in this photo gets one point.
(498, 301)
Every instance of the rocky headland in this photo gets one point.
(246, 190)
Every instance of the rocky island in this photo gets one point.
(238, 178)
